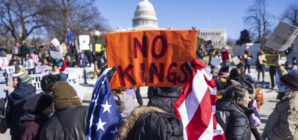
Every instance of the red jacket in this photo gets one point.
(63, 67)
(225, 55)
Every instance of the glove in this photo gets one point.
(110, 72)
(188, 67)
(230, 60)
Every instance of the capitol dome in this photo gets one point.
(145, 16)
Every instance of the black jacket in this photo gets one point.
(24, 50)
(3, 52)
(165, 101)
(74, 117)
(233, 119)
(14, 110)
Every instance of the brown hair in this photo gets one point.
(117, 92)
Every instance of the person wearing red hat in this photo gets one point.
(226, 57)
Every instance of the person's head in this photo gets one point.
(17, 43)
(240, 57)
(62, 42)
(48, 81)
(294, 61)
(31, 46)
(216, 53)
(17, 69)
(117, 92)
(14, 62)
(46, 54)
(250, 78)
(42, 104)
(72, 43)
(223, 49)
(142, 118)
(41, 43)
(51, 45)
(45, 61)
(55, 67)
(15, 81)
(224, 69)
(23, 42)
(290, 82)
(75, 64)
(82, 54)
(238, 94)
(1, 46)
(235, 73)
(288, 65)
(64, 95)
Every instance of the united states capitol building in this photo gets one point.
(145, 19)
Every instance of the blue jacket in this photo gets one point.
(14, 109)
(84, 59)
(247, 61)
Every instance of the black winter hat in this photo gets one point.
(290, 80)
(38, 103)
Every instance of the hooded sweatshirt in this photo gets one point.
(125, 104)
(16, 101)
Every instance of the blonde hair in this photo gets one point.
(117, 92)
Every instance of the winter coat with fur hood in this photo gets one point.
(150, 123)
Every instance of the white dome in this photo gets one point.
(145, 16)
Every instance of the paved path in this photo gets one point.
(265, 110)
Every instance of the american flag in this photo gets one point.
(103, 115)
(196, 106)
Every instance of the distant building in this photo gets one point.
(217, 36)
(144, 19)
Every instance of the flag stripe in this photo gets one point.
(196, 106)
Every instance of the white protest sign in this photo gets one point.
(40, 69)
(2, 76)
(47, 70)
(2, 91)
(72, 78)
(36, 81)
(282, 37)
(9, 70)
(55, 42)
(84, 41)
(80, 90)
(215, 61)
(80, 72)
(56, 54)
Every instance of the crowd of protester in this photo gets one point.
(58, 113)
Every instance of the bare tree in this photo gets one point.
(77, 15)
(260, 20)
(290, 15)
(21, 15)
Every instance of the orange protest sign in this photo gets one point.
(150, 58)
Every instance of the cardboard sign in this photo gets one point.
(236, 60)
(55, 42)
(215, 61)
(282, 37)
(269, 58)
(9, 70)
(2, 91)
(80, 72)
(261, 59)
(56, 54)
(84, 41)
(150, 58)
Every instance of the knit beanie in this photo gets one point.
(250, 78)
(64, 95)
(290, 80)
(38, 103)
(63, 76)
